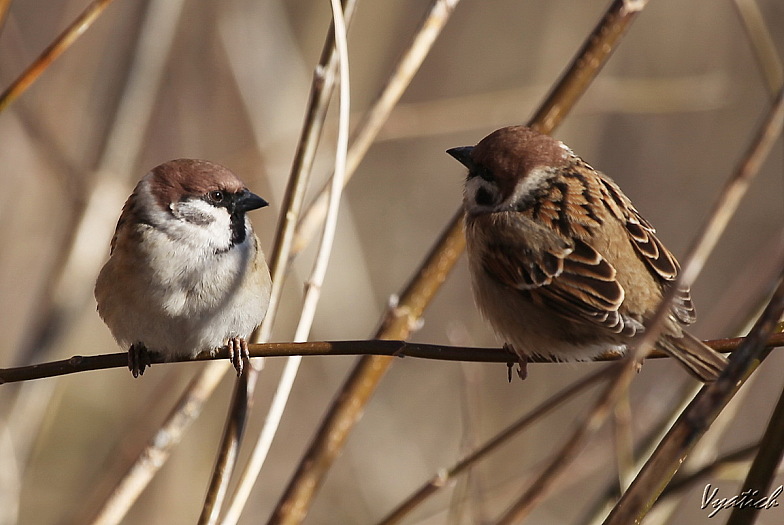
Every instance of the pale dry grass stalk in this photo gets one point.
(397, 323)
(381, 108)
(598, 511)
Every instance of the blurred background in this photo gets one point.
(668, 118)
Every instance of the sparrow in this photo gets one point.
(185, 273)
(562, 264)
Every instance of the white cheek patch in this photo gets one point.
(537, 179)
(190, 211)
(197, 222)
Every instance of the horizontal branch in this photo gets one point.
(80, 363)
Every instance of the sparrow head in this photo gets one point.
(194, 201)
(507, 167)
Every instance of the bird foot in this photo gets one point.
(522, 363)
(138, 359)
(238, 353)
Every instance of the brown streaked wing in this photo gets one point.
(519, 252)
(573, 280)
(587, 291)
(651, 249)
(641, 233)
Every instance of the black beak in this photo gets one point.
(463, 155)
(246, 201)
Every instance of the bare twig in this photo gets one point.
(377, 347)
(724, 462)
(761, 43)
(54, 50)
(230, 445)
(4, 5)
(445, 475)
(604, 502)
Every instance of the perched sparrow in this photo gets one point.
(185, 274)
(562, 264)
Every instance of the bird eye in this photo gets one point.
(216, 196)
(486, 174)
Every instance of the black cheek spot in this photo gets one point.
(483, 197)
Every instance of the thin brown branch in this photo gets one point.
(446, 475)
(696, 419)
(721, 463)
(54, 50)
(369, 347)
(361, 383)
(230, 444)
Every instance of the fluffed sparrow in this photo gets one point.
(562, 264)
(185, 274)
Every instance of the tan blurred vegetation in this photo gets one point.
(667, 118)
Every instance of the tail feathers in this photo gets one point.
(701, 361)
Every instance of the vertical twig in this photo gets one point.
(230, 445)
(4, 6)
(367, 130)
(291, 207)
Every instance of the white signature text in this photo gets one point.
(745, 500)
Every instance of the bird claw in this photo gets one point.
(138, 359)
(238, 353)
(522, 362)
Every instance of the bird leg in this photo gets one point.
(238, 353)
(138, 359)
(522, 362)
